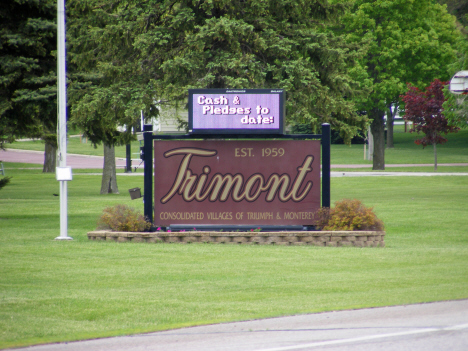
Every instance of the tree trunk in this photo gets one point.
(50, 157)
(390, 120)
(435, 156)
(109, 178)
(378, 132)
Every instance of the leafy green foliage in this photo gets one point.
(408, 41)
(27, 70)
(123, 218)
(455, 109)
(348, 215)
(456, 106)
(458, 8)
(108, 88)
(403, 45)
(129, 56)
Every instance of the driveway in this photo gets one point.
(73, 161)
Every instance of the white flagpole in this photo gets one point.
(63, 173)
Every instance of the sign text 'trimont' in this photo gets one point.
(236, 182)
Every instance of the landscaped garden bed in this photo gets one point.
(350, 223)
(315, 238)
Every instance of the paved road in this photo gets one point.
(73, 161)
(422, 327)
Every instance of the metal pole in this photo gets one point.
(148, 171)
(62, 117)
(326, 141)
(128, 163)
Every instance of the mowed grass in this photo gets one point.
(405, 150)
(68, 290)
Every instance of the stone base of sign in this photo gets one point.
(315, 238)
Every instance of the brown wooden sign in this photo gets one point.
(274, 182)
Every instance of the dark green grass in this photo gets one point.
(67, 290)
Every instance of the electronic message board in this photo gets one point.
(236, 111)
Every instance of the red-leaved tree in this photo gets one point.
(424, 109)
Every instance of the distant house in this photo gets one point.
(167, 122)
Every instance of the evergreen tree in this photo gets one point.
(131, 55)
(108, 88)
(28, 106)
(260, 44)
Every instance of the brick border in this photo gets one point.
(315, 238)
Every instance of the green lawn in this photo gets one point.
(68, 290)
(78, 145)
(405, 151)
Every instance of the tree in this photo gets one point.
(424, 109)
(108, 88)
(455, 109)
(458, 8)
(262, 44)
(408, 41)
(137, 53)
(28, 90)
(456, 106)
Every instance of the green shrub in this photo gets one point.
(322, 217)
(123, 218)
(348, 215)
